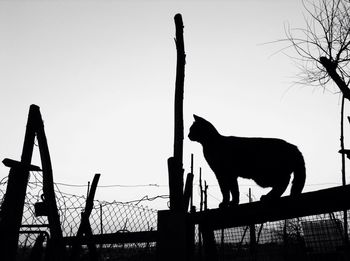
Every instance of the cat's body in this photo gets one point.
(269, 162)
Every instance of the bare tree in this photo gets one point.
(323, 54)
(323, 46)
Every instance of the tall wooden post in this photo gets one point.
(12, 206)
(173, 241)
(175, 163)
(345, 212)
(56, 239)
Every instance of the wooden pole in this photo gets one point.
(175, 163)
(85, 227)
(205, 196)
(200, 210)
(342, 147)
(193, 208)
(188, 193)
(56, 239)
(174, 242)
(12, 206)
(101, 226)
(252, 228)
(179, 89)
(88, 189)
(201, 190)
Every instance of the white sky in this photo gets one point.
(103, 74)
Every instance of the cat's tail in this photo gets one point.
(299, 174)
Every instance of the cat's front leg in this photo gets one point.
(225, 192)
(224, 204)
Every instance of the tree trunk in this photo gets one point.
(331, 69)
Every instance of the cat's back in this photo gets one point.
(256, 145)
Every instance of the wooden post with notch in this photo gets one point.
(173, 240)
(175, 164)
(56, 239)
(12, 207)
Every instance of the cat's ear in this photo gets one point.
(196, 118)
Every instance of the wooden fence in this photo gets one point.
(176, 230)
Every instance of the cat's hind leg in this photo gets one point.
(277, 190)
(233, 187)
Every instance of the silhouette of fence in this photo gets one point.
(308, 227)
(106, 217)
(305, 238)
(312, 235)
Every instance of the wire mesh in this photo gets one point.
(105, 217)
(318, 237)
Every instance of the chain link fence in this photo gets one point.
(315, 237)
(106, 217)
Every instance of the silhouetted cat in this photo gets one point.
(269, 162)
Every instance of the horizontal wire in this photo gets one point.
(113, 185)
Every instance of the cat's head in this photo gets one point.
(201, 130)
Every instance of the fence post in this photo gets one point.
(208, 237)
(188, 192)
(172, 239)
(48, 188)
(85, 227)
(12, 206)
(205, 195)
(345, 213)
(175, 163)
(173, 226)
(101, 225)
(209, 245)
(252, 228)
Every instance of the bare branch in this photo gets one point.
(322, 47)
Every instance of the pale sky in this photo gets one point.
(103, 74)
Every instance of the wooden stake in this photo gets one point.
(188, 191)
(205, 196)
(252, 228)
(179, 89)
(342, 147)
(201, 190)
(49, 190)
(85, 227)
(12, 206)
(175, 163)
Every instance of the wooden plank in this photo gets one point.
(306, 204)
(115, 238)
